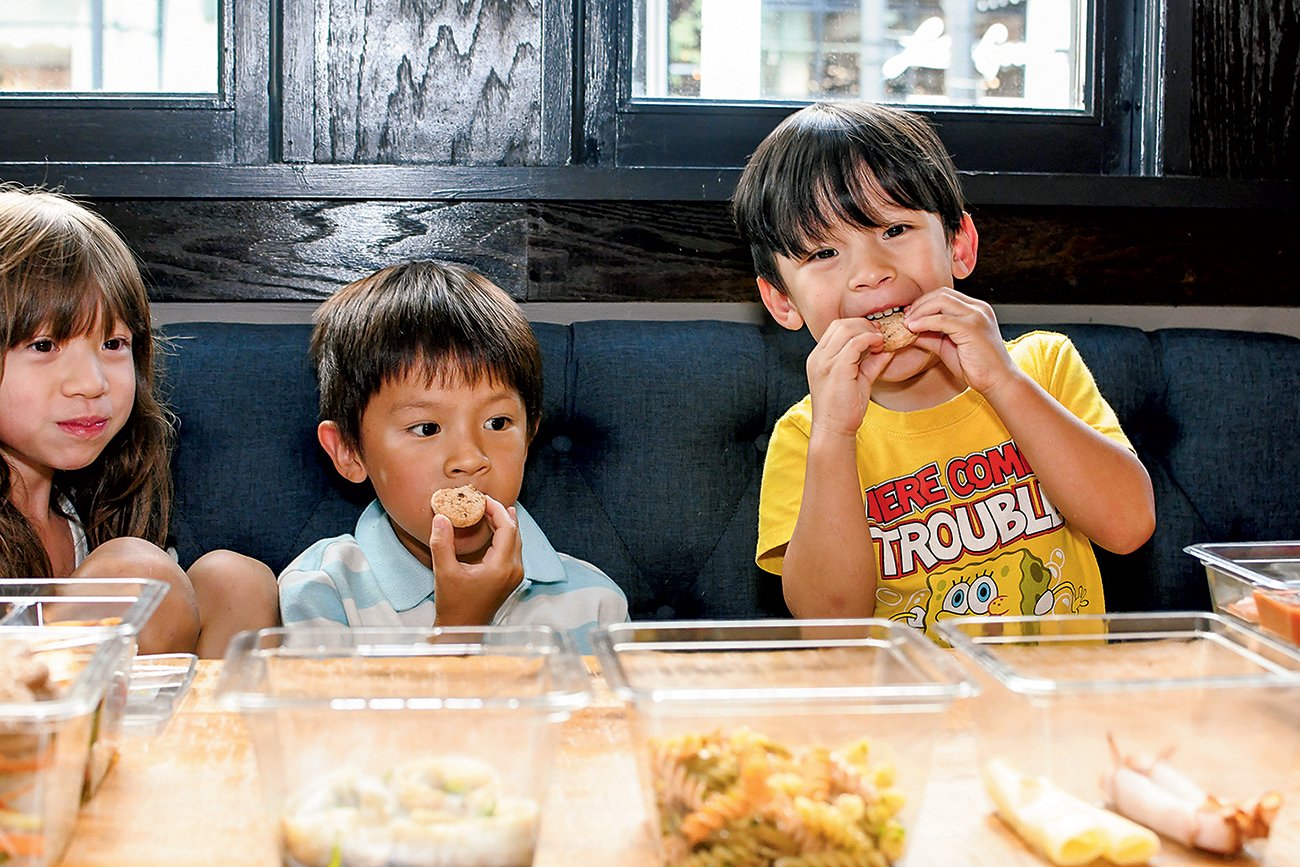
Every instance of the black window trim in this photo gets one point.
(230, 126)
(1121, 133)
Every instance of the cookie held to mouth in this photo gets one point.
(896, 333)
(463, 506)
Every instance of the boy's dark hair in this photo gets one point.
(445, 320)
(823, 164)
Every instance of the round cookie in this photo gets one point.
(896, 334)
(464, 506)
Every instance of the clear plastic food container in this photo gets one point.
(759, 740)
(1256, 582)
(404, 746)
(124, 604)
(1190, 711)
(52, 686)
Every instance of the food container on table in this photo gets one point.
(1075, 698)
(159, 682)
(52, 685)
(763, 739)
(1257, 582)
(404, 746)
(124, 604)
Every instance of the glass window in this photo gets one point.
(1018, 54)
(109, 46)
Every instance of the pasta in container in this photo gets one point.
(780, 742)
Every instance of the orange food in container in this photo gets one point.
(121, 604)
(1255, 581)
(52, 685)
(1279, 612)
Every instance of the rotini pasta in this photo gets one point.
(739, 798)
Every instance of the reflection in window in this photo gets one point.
(112, 46)
(994, 53)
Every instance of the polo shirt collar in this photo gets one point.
(406, 582)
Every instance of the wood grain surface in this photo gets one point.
(190, 796)
(437, 81)
(295, 250)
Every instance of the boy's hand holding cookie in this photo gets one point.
(842, 368)
(963, 332)
(468, 593)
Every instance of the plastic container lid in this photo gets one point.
(880, 661)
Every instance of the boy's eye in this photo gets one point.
(827, 253)
(500, 422)
(44, 344)
(894, 231)
(113, 344)
(426, 429)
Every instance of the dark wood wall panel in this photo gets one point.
(607, 251)
(1245, 112)
(267, 250)
(428, 81)
(689, 252)
(227, 250)
(1135, 256)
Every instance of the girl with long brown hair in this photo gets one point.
(85, 483)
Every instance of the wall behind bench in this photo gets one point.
(293, 250)
(350, 135)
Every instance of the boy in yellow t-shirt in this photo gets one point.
(959, 475)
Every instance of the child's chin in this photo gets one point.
(907, 362)
(471, 542)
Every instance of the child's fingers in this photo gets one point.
(843, 354)
(507, 546)
(497, 514)
(442, 545)
(941, 346)
(947, 311)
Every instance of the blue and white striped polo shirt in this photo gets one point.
(369, 578)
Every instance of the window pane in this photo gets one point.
(992, 53)
(109, 46)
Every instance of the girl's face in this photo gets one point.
(63, 401)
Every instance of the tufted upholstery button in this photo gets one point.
(561, 444)
(761, 443)
(665, 612)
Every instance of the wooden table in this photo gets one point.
(190, 796)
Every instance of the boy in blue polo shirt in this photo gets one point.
(431, 378)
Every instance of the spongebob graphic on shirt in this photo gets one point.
(1015, 583)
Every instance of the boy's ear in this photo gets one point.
(965, 247)
(780, 306)
(346, 460)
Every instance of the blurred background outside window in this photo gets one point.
(109, 46)
(1016, 54)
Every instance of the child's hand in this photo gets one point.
(841, 370)
(963, 332)
(469, 594)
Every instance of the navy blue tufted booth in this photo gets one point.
(651, 447)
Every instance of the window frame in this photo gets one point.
(1120, 134)
(222, 128)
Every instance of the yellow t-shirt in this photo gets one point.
(959, 523)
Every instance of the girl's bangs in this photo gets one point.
(66, 310)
